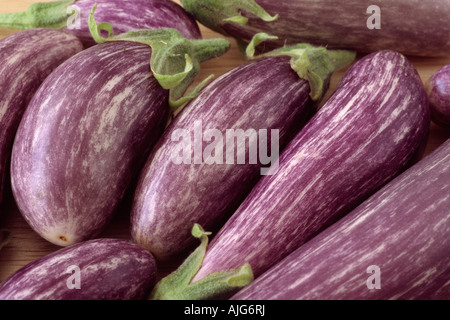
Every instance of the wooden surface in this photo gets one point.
(26, 246)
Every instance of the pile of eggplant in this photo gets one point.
(324, 195)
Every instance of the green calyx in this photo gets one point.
(4, 238)
(51, 15)
(215, 13)
(175, 60)
(220, 285)
(311, 63)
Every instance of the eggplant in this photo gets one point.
(91, 125)
(373, 127)
(264, 99)
(403, 230)
(411, 27)
(438, 88)
(27, 58)
(100, 269)
(126, 15)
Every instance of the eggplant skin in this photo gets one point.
(264, 94)
(84, 137)
(411, 27)
(27, 58)
(132, 15)
(373, 127)
(100, 269)
(439, 93)
(403, 229)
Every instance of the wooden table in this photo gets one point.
(26, 246)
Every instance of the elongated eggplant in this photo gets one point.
(27, 58)
(373, 127)
(91, 125)
(394, 246)
(258, 106)
(101, 269)
(410, 27)
(126, 15)
(439, 93)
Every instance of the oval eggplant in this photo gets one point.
(83, 138)
(373, 127)
(172, 196)
(410, 27)
(124, 15)
(393, 247)
(101, 269)
(439, 94)
(230, 134)
(27, 58)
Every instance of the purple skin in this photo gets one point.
(410, 27)
(403, 229)
(85, 135)
(109, 269)
(126, 15)
(372, 128)
(439, 94)
(27, 58)
(171, 197)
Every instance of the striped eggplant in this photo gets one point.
(439, 93)
(261, 103)
(27, 58)
(126, 15)
(101, 269)
(394, 246)
(88, 130)
(374, 126)
(412, 27)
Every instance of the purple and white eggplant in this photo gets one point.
(439, 93)
(126, 15)
(91, 125)
(27, 58)
(101, 269)
(395, 246)
(206, 187)
(410, 27)
(372, 128)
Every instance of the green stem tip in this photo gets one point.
(216, 13)
(51, 15)
(220, 285)
(175, 60)
(5, 237)
(311, 63)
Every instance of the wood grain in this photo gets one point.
(26, 246)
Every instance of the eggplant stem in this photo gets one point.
(214, 14)
(220, 285)
(175, 60)
(51, 15)
(312, 63)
